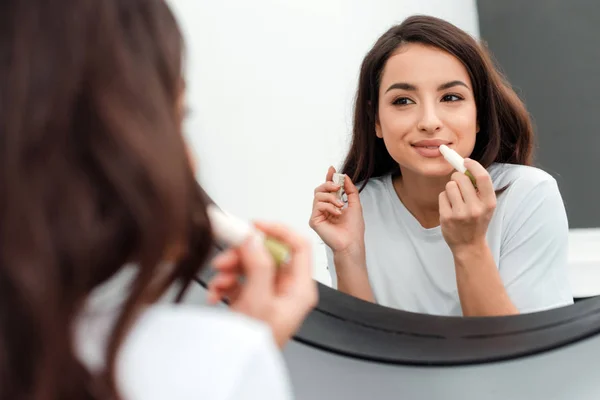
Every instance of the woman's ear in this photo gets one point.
(377, 124)
(378, 130)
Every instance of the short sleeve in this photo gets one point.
(184, 352)
(534, 253)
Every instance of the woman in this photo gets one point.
(418, 236)
(94, 177)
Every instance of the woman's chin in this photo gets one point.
(434, 168)
(434, 171)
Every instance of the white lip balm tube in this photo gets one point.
(457, 162)
(234, 231)
(339, 179)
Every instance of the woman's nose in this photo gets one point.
(429, 121)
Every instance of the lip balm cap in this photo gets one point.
(339, 179)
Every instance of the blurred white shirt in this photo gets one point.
(412, 268)
(179, 351)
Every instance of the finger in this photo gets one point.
(329, 198)
(300, 247)
(234, 267)
(233, 294)
(327, 187)
(483, 179)
(221, 285)
(295, 241)
(230, 293)
(225, 260)
(258, 268)
(212, 298)
(444, 206)
(224, 281)
(467, 190)
(328, 208)
(330, 173)
(454, 196)
(351, 192)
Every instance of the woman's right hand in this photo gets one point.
(281, 296)
(342, 229)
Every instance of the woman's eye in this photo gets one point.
(451, 97)
(403, 101)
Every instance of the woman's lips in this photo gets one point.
(430, 148)
(428, 151)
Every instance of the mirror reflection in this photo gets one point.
(375, 93)
(414, 230)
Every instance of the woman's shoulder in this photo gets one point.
(211, 321)
(525, 188)
(519, 175)
(166, 327)
(192, 350)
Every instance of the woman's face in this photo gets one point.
(425, 100)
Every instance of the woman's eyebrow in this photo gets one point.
(412, 88)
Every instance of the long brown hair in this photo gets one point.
(506, 132)
(93, 175)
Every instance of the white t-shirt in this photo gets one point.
(187, 352)
(412, 268)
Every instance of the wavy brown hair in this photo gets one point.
(93, 175)
(506, 132)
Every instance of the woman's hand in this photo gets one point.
(281, 296)
(465, 212)
(342, 229)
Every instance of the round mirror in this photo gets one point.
(273, 89)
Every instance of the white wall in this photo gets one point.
(271, 85)
(584, 261)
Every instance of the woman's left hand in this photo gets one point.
(465, 212)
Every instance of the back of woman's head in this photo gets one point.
(93, 175)
(506, 133)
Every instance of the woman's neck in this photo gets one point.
(420, 195)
